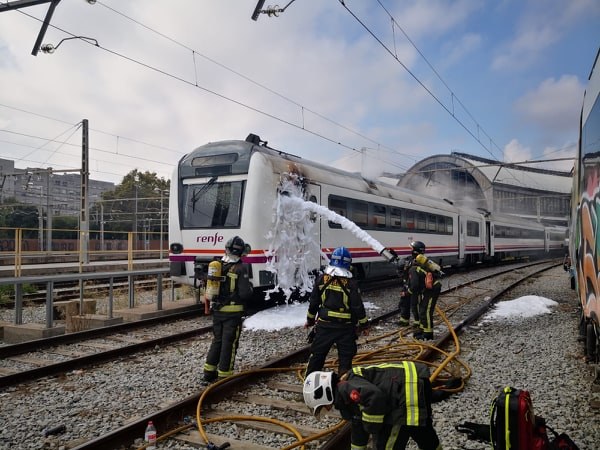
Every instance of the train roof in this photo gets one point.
(514, 220)
(311, 170)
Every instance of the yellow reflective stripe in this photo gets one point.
(428, 328)
(232, 278)
(234, 348)
(357, 370)
(357, 447)
(209, 367)
(411, 388)
(392, 438)
(364, 320)
(338, 315)
(383, 366)
(310, 316)
(232, 308)
(372, 418)
(506, 417)
(335, 287)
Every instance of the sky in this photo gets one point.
(360, 85)
(294, 315)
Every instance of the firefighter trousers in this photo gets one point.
(427, 304)
(396, 437)
(327, 334)
(226, 335)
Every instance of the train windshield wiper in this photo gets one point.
(197, 194)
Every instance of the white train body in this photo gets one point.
(230, 188)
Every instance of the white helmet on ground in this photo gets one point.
(318, 390)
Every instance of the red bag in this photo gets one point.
(429, 280)
(513, 423)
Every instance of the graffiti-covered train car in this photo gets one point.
(585, 217)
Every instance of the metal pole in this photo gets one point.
(161, 224)
(48, 212)
(41, 223)
(159, 296)
(84, 235)
(101, 226)
(18, 304)
(49, 295)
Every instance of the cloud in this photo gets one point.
(456, 51)
(514, 151)
(553, 106)
(435, 17)
(542, 24)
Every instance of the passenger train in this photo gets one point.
(583, 242)
(229, 188)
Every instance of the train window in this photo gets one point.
(432, 222)
(359, 213)
(396, 218)
(441, 224)
(377, 217)
(449, 225)
(421, 221)
(214, 160)
(212, 204)
(338, 206)
(472, 228)
(313, 215)
(410, 220)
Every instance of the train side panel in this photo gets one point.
(583, 242)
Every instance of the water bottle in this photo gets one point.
(150, 436)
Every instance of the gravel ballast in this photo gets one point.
(540, 354)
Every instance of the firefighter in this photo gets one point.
(228, 308)
(390, 401)
(412, 287)
(424, 287)
(337, 308)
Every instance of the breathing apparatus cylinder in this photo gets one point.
(213, 283)
(427, 264)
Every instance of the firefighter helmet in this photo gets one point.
(341, 257)
(318, 390)
(418, 248)
(235, 246)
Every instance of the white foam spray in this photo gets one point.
(293, 240)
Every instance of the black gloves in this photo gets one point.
(474, 431)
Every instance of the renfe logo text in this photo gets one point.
(214, 239)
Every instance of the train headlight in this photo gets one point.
(176, 248)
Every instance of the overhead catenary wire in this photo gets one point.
(416, 78)
(299, 126)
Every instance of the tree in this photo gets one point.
(18, 215)
(133, 204)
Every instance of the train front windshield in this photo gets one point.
(212, 204)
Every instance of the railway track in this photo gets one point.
(55, 355)
(199, 418)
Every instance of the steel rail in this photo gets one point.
(173, 416)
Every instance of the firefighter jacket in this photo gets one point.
(389, 393)
(337, 299)
(235, 289)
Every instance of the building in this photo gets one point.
(466, 180)
(59, 192)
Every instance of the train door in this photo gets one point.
(489, 232)
(547, 241)
(462, 227)
(314, 195)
